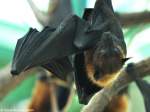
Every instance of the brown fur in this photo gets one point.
(44, 98)
(41, 99)
(104, 81)
(119, 103)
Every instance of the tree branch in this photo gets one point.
(101, 99)
(8, 83)
(57, 11)
(42, 17)
(129, 19)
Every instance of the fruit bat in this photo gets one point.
(92, 47)
(98, 66)
(143, 86)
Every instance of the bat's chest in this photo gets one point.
(104, 81)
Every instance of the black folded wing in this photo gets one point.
(85, 88)
(51, 47)
(30, 43)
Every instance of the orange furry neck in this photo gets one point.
(104, 81)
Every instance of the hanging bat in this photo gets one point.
(143, 86)
(98, 66)
(96, 43)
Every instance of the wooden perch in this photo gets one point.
(42, 17)
(129, 19)
(101, 99)
(57, 11)
(8, 83)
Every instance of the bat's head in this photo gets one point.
(109, 56)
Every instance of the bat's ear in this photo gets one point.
(125, 59)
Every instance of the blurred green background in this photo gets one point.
(16, 17)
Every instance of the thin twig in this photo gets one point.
(57, 11)
(42, 17)
(8, 82)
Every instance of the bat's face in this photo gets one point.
(107, 58)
